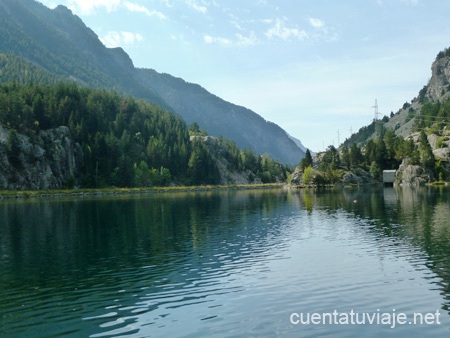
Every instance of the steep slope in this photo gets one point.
(221, 118)
(407, 119)
(62, 45)
(17, 69)
(299, 144)
(416, 140)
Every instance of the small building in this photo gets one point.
(389, 176)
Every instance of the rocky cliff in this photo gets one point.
(438, 86)
(414, 175)
(48, 160)
(429, 112)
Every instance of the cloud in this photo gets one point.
(221, 41)
(88, 7)
(267, 21)
(193, 4)
(240, 40)
(132, 7)
(249, 40)
(116, 39)
(316, 23)
(280, 31)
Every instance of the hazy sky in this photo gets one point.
(312, 67)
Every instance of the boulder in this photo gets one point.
(432, 140)
(412, 175)
(442, 154)
(297, 177)
(357, 176)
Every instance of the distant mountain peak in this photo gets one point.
(436, 91)
(63, 9)
(58, 41)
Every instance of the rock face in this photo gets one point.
(297, 177)
(412, 175)
(437, 86)
(50, 160)
(357, 176)
(440, 145)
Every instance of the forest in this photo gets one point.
(125, 142)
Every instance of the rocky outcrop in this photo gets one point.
(357, 176)
(437, 89)
(442, 154)
(297, 177)
(412, 175)
(48, 160)
(440, 146)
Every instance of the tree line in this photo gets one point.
(382, 152)
(125, 142)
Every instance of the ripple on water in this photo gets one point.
(244, 280)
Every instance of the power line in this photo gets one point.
(377, 113)
(431, 116)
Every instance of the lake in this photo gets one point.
(351, 262)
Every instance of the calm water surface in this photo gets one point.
(226, 264)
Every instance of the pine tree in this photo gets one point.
(306, 161)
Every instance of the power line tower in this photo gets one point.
(377, 113)
(376, 120)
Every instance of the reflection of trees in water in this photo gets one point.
(72, 234)
(77, 236)
(421, 216)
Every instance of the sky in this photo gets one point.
(315, 68)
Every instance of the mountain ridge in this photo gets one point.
(414, 142)
(404, 121)
(212, 114)
(59, 42)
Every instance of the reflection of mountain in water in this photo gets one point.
(127, 263)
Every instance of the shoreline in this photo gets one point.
(19, 194)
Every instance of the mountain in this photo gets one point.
(60, 43)
(429, 110)
(415, 141)
(218, 117)
(300, 144)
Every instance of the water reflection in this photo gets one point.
(223, 263)
(419, 216)
(83, 256)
